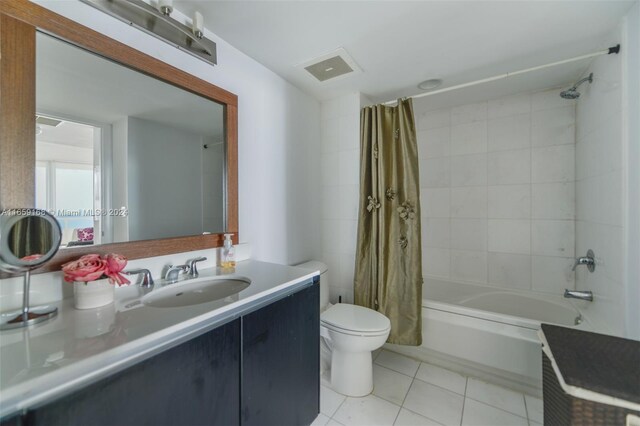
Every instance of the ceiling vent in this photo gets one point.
(47, 121)
(331, 66)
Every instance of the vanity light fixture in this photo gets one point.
(159, 23)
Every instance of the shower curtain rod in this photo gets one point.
(614, 49)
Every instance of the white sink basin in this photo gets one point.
(193, 292)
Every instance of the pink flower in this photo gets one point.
(115, 264)
(88, 268)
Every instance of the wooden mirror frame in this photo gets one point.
(19, 21)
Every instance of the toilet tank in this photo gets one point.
(315, 265)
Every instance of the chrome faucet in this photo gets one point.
(147, 279)
(193, 269)
(172, 273)
(586, 260)
(579, 294)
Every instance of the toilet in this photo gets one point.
(349, 334)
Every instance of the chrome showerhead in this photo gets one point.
(573, 93)
(570, 94)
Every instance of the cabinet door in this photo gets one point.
(281, 360)
(195, 383)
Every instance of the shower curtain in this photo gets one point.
(388, 272)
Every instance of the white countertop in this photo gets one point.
(78, 347)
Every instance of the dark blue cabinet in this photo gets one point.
(195, 383)
(280, 362)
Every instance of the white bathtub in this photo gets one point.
(488, 332)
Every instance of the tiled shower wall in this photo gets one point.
(498, 191)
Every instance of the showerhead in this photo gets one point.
(570, 94)
(573, 93)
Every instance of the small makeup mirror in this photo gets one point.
(28, 239)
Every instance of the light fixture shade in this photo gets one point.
(197, 24)
(430, 84)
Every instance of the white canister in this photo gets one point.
(93, 294)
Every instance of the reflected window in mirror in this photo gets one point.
(122, 156)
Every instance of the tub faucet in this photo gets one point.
(586, 260)
(579, 294)
(171, 276)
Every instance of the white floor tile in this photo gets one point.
(390, 385)
(330, 400)
(375, 353)
(367, 411)
(479, 414)
(409, 418)
(496, 396)
(321, 420)
(397, 362)
(535, 409)
(442, 377)
(435, 403)
(334, 423)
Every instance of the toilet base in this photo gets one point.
(352, 373)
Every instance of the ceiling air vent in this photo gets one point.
(47, 121)
(330, 66)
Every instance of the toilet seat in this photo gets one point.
(355, 320)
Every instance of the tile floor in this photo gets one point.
(412, 393)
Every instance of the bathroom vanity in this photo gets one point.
(251, 358)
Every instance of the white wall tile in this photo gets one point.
(553, 237)
(469, 170)
(346, 241)
(554, 200)
(435, 262)
(600, 151)
(469, 234)
(349, 167)
(330, 169)
(468, 113)
(508, 133)
(469, 265)
(553, 164)
(434, 119)
(435, 232)
(509, 236)
(331, 202)
(553, 127)
(552, 274)
(509, 270)
(509, 202)
(349, 132)
(435, 202)
(434, 143)
(329, 135)
(509, 167)
(469, 202)
(509, 105)
(435, 173)
(549, 99)
(348, 201)
(470, 138)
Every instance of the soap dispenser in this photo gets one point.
(228, 253)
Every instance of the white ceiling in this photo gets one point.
(400, 43)
(74, 83)
(67, 133)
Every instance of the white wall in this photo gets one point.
(601, 167)
(279, 175)
(340, 128)
(497, 191)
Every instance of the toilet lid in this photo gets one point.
(355, 318)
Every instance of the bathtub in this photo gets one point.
(488, 332)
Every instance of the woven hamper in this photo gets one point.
(591, 365)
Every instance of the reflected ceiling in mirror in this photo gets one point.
(122, 156)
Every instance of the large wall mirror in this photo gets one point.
(124, 149)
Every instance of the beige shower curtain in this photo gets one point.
(388, 274)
